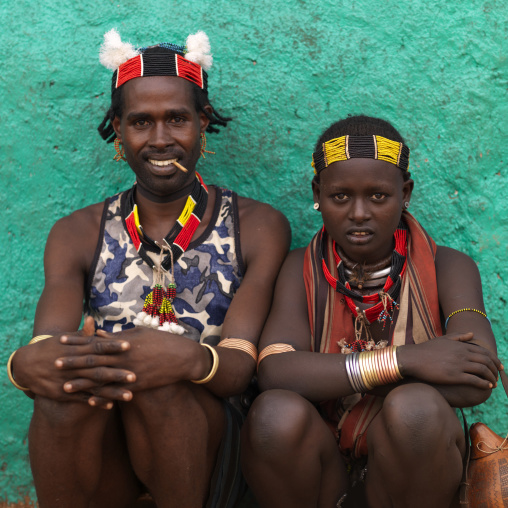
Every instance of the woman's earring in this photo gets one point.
(316, 206)
(406, 205)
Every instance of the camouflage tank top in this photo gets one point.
(207, 275)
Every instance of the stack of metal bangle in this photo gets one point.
(372, 368)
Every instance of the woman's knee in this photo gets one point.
(278, 421)
(416, 416)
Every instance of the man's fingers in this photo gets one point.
(110, 392)
(75, 340)
(93, 378)
(95, 345)
(105, 347)
(88, 326)
(100, 402)
(104, 334)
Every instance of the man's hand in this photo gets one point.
(153, 357)
(39, 366)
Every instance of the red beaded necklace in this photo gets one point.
(384, 300)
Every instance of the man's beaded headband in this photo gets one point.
(364, 147)
(128, 62)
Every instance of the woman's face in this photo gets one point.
(361, 201)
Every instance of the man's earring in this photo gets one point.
(203, 146)
(120, 151)
(316, 206)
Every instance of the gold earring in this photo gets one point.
(203, 146)
(120, 151)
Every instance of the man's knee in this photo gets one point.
(64, 415)
(278, 421)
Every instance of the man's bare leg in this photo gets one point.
(416, 444)
(173, 436)
(289, 456)
(78, 457)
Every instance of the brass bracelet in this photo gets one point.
(213, 370)
(273, 349)
(242, 345)
(396, 363)
(38, 338)
(11, 377)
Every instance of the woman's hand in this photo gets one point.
(450, 360)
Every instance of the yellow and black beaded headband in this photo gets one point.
(364, 147)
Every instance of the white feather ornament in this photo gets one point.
(114, 52)
(198, 50)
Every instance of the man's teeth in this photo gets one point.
(162, 163)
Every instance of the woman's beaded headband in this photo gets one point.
(365, 147)
(128, 62)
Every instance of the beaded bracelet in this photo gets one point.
(242, 345)
(369, 369)
(213, 370)
(467, 309)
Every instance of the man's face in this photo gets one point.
(160, 124)
(361, 202)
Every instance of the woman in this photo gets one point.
(406, 321)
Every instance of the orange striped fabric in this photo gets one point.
(417, 320)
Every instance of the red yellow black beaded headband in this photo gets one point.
(367, 147)
(127, 62)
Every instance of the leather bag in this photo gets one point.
(485, 478)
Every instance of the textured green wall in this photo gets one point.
(284, 70)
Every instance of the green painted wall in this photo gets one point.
(284, 70)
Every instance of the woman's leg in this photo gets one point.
(289, 456)
(416, 446)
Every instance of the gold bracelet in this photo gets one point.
(396, 363)
(274, 349)
(38, 338)
(11, 377)
(242, 345)
(213, 370)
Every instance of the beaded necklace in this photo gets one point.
(385, 300)
(157, 309)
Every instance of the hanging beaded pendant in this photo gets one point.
(158, 311)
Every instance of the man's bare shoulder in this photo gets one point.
(80, 222)
(75, 235)
(254, 211)
(265, 234)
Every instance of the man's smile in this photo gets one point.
(162, 163)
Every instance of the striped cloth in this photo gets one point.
(417, 320)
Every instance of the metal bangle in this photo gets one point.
(213, 370)
(11, 377)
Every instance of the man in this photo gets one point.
(176, 438)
